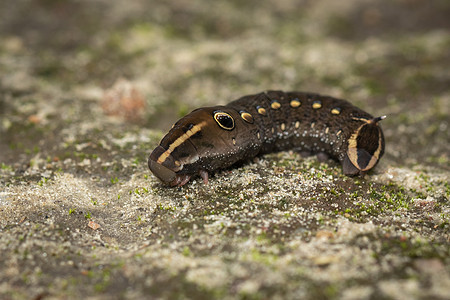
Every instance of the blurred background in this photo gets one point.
(76, 60)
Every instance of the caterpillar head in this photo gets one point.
(204, 140)
(365, 147)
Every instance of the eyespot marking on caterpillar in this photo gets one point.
(295, 103)
(275, 104)
(247, 117)
(224, 120)
(317, 104)
(336, 111)
(261, 110)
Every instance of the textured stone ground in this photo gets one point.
(88, 88)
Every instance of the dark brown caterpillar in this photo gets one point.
(212, 138)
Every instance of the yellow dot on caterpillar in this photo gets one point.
(177, 163)
(336, 111)
(317, 105)
(313, 124)
(283, 126)
(275, 105)
(261, 111)
(297, 124)
(339, 132)
(273, 130)
(234, 141)
(258, 135)
(295, 103)
(247, 117)
(327, 130)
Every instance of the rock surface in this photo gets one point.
(88, 88)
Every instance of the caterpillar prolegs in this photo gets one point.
(212, 138)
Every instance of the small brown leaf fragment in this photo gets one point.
(123, 100)
(93, 225)
(35, 119)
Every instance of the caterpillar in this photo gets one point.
(212, 138)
